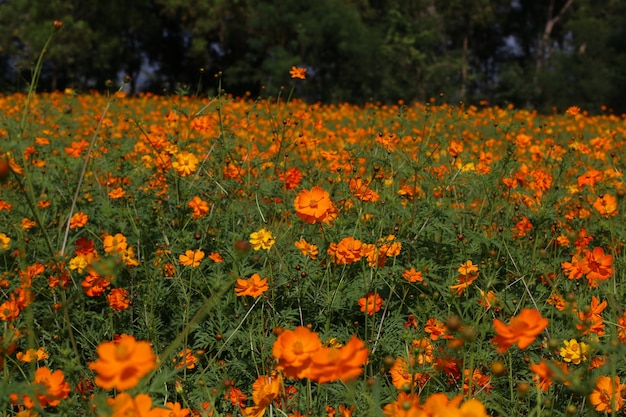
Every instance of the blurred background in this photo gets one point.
(541, 54)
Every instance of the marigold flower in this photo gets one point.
(121, 364)
(253, 286)
(79, 219)
(5, 242)
(298, 72)
(347, 251)
(32, 355)
(572, 110)
(115, 244)
(117, 193)
(544, 374)
(294, 349)
(187, 359)
(57, 388)
(406, 405)
(174, 410)
(606, 205)
(263, 239)
(191, 258)
(344, 363)
(185, 163)
(522, 228)
(371, 304)
(436, 329)
(118, 299)
(468, 268)
(236, 397)
(412, 275)
(522, 329)
(199, 207)
(590, 178)
(264, 390)
(141, 405)
(94, 285)
(607, 395)
(574, 352)
(216, 257)
(314, 205)
(362, 190)
(306, 248)
(596, 265)
(292, 178)
(27, 224)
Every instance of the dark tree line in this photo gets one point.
(539, 54)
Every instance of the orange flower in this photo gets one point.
(199, 207)
(294, 349)
(362, 191)
(32, 355)
(436, 329)
(522, 329)
(468, 268)
(607, 395)
(371, 304)
(606, 205)
(572, 110)
(121, 364)
(216, 257)
(264, 390)
(118, 299)
(573, 270)
(236, 397)
(590, 178)
(522, 228)
(191, 258)
(292, 178)
(344, 363)
(94, 285)
(188, 360)
(297, 72)
(115, 244)
(412, 275)
(464, 282)
(79, 219)
(117, 193)
(407, 405)
(140, 406)
(174, 410)
(596, 265)
(253, 286)
(307, 249)
(57, 388)
(347, 251)
(314, 205)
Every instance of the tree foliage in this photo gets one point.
(534, 54)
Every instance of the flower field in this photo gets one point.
(180, 256)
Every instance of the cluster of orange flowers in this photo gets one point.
(409, 405)
(350, 250)
(350, 184)
(300, 355)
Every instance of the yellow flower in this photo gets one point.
(191, 258)
(263, 239)
(185, 163)
(5, 241)
(574, 352)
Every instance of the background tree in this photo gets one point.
(534, 54)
